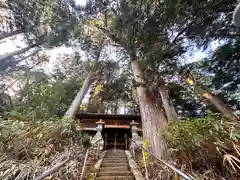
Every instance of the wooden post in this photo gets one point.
(105, 143)
(145, 165)
(115, 142)
(126, 139)
(84, 165)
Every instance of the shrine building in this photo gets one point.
(113, 130)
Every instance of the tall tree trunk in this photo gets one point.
(74, 107)
(101, 103)
(213, 99)
(90, 99)
(17, 52)
(167, 103)
(153, 119)
(13, 33)
(116, 108)
(217, 102)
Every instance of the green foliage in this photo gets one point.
(206, 144)
(48, 22)
(145, 154)
(29, 147)
(193, 133)
(97, 90)
(45, 100)
(23, 138)
(146, 146)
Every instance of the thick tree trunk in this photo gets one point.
(167, 103)
(13, 33)
(17, 52)
(213, 99)
(74, 107)
(153, 119)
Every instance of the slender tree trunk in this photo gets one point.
(13, 33)
(213, 99)
(17, 52)
(112, 108)
(125, 108)
(217, 102)
(153, 119)
(167, 103)
(116, 108)
(90, 100)
(74, 107)
(101, 105)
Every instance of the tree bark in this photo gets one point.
(90, 100)
(13, 33)
(101, 105)
(217, 102)
(17, 52)
(153, 119)
(167, 103)
(213, 99)
(74, 107)
(116, 108)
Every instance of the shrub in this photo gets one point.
(28, 147)
(206, 144)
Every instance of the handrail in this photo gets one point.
(187, 177)
(58, 166)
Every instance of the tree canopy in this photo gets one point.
(124, 57)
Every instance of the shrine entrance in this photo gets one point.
(114, 131)
(116, 138)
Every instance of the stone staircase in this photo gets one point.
(115, 166)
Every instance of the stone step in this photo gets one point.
(107, 156)
(112, 158)
(115, 173)
(114, 166)
(115, 178)
(115, 161)
(117, 158)
(111, 164)
(107, 169)
(115, 154)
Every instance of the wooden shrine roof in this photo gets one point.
(107, 116)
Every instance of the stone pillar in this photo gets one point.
(98, 136)
(135, 137)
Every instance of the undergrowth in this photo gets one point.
(29, 147)
(207, 148)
